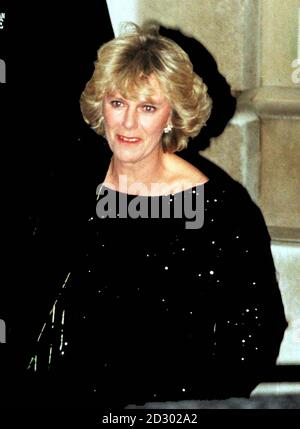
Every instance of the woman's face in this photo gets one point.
(133, 128)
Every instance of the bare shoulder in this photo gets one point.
(184, 173)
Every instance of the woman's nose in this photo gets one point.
(130, 118)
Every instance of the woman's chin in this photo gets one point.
(127, 155)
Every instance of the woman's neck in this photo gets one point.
(139, 176)
(165, 174)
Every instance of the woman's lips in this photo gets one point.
(130, 140)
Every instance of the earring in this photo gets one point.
(168, 128)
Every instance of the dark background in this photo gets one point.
(48, 156)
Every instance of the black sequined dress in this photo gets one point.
(156, 311)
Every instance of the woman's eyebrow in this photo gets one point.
(152, 101)
(116, 95)
(148, 100)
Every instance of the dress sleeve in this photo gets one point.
(250, 315)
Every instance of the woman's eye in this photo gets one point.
(116, 103)
(149, 108)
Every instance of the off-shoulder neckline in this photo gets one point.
(195, 187)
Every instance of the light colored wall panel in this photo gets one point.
(287, 262)
(121, 11)
(228, 29)
(279, 34)
(237, 150)
(280, 172)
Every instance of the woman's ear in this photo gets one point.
(170, 118)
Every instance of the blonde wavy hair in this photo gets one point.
(125, 64)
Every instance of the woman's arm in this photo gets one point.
(251, 320)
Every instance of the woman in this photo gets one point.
(157, 307)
